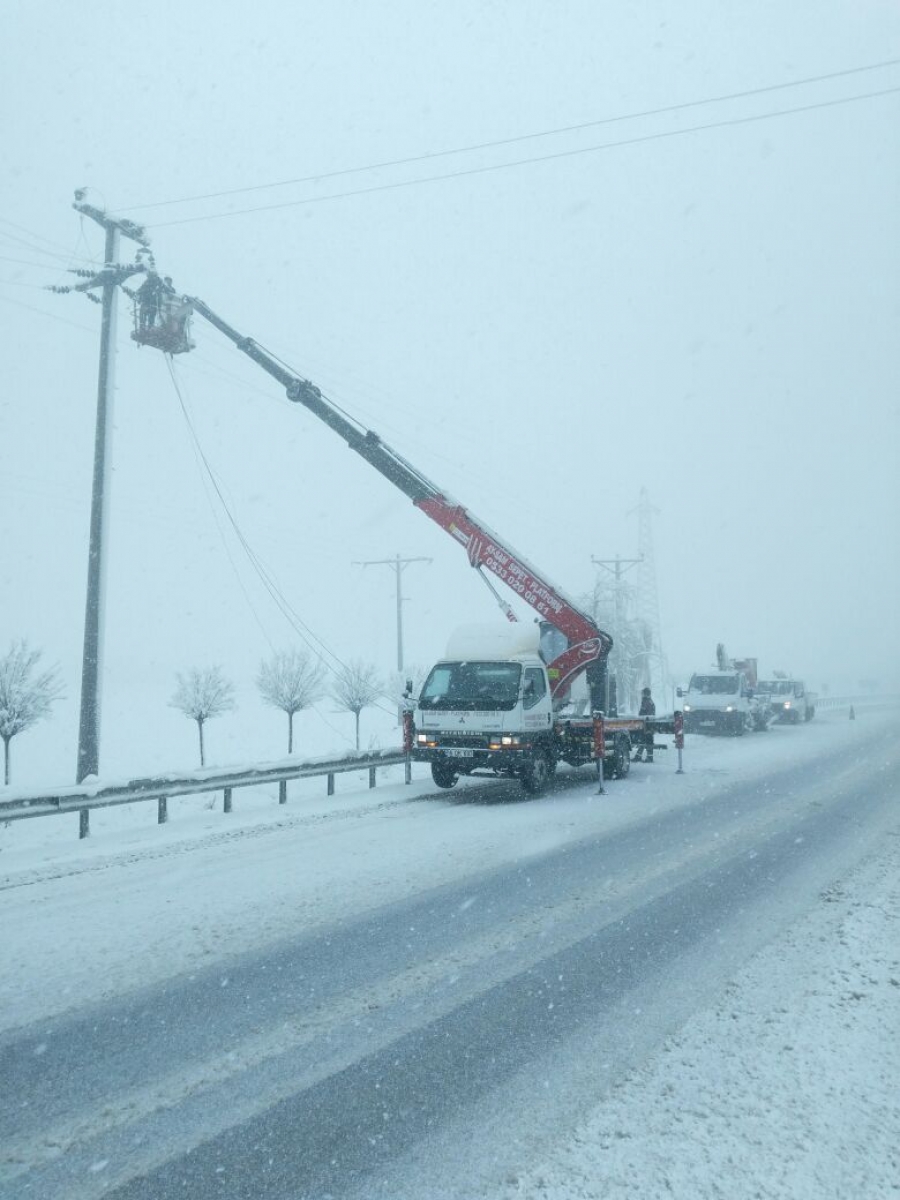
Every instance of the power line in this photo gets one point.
(63, 258)
(23, 262)
(510, 141)
(523, 162)
(202, 463)
(51, 316)
(60, 248)
(207, 476)
(288, 612)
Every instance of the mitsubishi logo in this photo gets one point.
(462, 720)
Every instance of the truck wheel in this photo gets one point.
(536, 775)
(443, 773)
(810, 713)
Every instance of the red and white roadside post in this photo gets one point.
(679, 739)
(408, 731)
(599, 751)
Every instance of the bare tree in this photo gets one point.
(202, 695)
(290, 680)
(25, 695)
(356, 686)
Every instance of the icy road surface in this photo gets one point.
(689, 986)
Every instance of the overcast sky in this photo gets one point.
(712, 315)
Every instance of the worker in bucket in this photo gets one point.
(645, 743)
(148, 297)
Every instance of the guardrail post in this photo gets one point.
(162, 810)
(331, 783)
(226, 800)
(282, 791)
(84, 822)
(371, 777)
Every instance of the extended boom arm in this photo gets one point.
(588, 645)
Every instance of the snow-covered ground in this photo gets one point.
(788, 1085)
(788, 1089)
(138, 902)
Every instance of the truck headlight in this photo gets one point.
(729, 708)
(787, 704)
(687, 708)
(421, 738)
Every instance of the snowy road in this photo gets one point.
(424, 1028)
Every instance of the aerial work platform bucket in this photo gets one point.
(162, 319)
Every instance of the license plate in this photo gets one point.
(455, 753)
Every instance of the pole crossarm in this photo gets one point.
(398, 564)
(130, 229)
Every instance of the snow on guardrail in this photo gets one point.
(97, 793)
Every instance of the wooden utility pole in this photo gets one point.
(108, 280)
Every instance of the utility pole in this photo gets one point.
(108, 279)
(399, 564)
(656, 669)
(616, 567)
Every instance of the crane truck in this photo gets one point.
(507, 709)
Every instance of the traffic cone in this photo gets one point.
(852, 713)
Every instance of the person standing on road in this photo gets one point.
(645, 745)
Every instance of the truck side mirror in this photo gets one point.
(679, 691)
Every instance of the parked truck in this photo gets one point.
(725, 699)
(790, 701)
(488, 707)
(512, 713)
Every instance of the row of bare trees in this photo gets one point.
(291, 680)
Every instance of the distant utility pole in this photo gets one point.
(656, 669)
(108, 279)
(399, 564)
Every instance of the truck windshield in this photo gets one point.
(714, 685)
(472, 685)
(776, 687)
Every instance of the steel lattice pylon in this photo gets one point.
(655, 667)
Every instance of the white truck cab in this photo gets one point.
(487, 707)
(789, 699)
(723, 702)
(478, 709)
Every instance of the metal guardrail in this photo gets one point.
(830, 703)
(87, 796)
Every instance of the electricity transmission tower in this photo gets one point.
(618, 660)
(654, 668)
